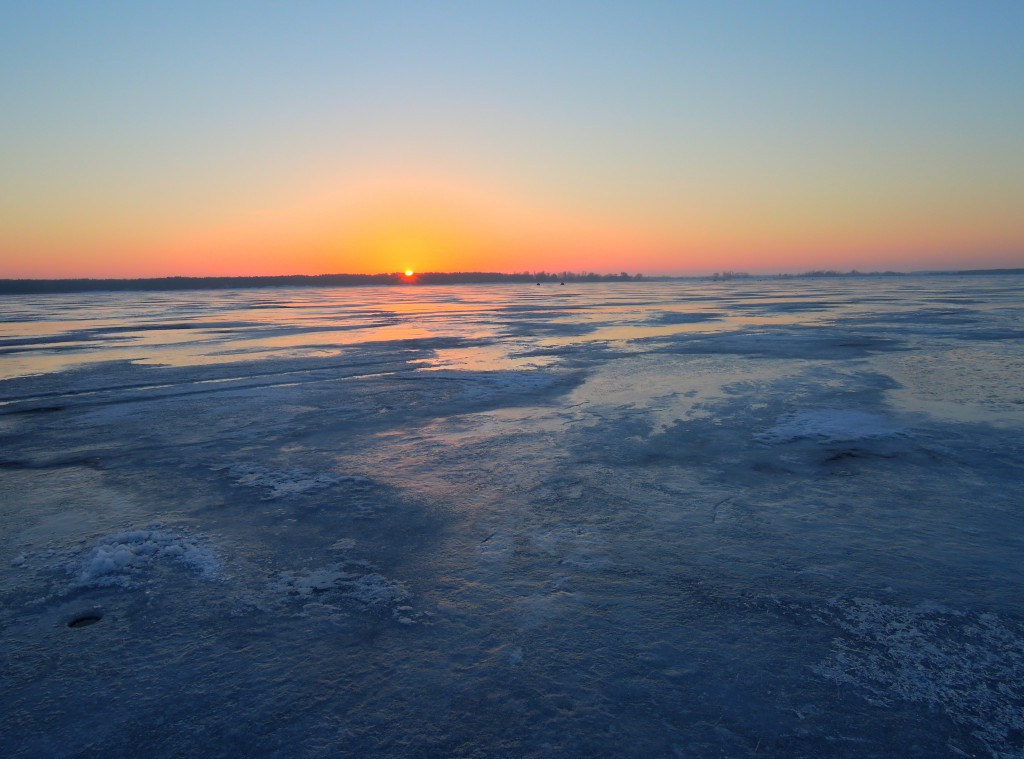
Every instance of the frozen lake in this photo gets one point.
(774, 518)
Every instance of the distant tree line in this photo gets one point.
(525, 276)
(37, 286)
(984, 271)
(725, 275)
(719, 275)
(850, 273)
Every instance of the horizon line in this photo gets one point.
(26, 286)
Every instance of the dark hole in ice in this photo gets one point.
(85, 620)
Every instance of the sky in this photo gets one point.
(253, 138)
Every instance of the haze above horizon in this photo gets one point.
(669, 138)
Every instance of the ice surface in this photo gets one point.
(368, 588)
(747, 518)
(967, 665)
(288, 482)
(829, 426)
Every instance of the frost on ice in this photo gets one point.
(352, 580)
(282, 483)
(970, 666)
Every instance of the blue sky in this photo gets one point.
(705, 132)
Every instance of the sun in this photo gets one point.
(409, 272)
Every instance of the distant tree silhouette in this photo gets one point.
(34, 286)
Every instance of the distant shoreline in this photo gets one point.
(397, 279)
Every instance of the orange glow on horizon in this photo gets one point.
(387, 220)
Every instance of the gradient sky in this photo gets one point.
(188, 138)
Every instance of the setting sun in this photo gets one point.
(408, 272)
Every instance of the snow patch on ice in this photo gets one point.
(376, 591)
(282, 483)
(356, 581)
(117, 557)
(971, 666)
(828, 425)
